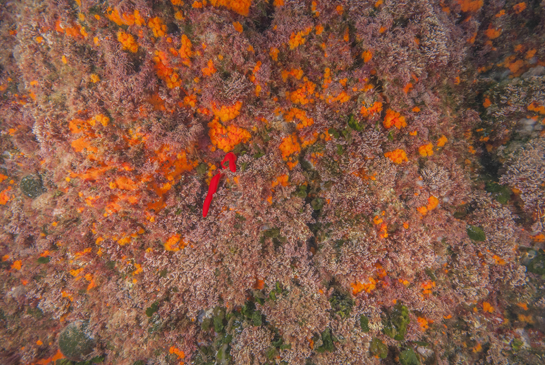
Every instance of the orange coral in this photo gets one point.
(470, 5)
(128, 42)
(295, 72)
(281, 180)
(177, 352)
(295, 113)
(227, 113)
(273, 52)
(241, 7)
(374, 109)
(442, 141)
(535, 107)
(423, 322)
(358, 287)
(367, 55)
(487, 307)
(289, 146)
(209, 69)
(492, 33)
(157, 26)
(393, 118)
(175, 243)
(426, 150)
(297, 39)
(238, 26)
(519, 8)
(16, 265)
(397, 156)
(301, 95)
(4, 197)
(185, 51)
(226, 138)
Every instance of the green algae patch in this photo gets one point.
(378, 348)
(476, 233)
(395, 325)
(74, 341)
(408, 357)
(364, 323)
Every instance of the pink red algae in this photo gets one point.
(384, 200)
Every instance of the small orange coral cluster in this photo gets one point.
(227, 113)
(343, 97)
(433, 202)
(226, 138)
(175, 243)
(157, 26)
(281, 180)
(125, 18)
(127, 40)
(295, 72)
(165, 73)
(241, 7)
(273, 52)
(209, 69)
(470, 5)
(185, 51)
(358, 287)
(295, 113)
(397, 156)
(303, 94)
(374, 109)
(393, 118)
(297, 39)
(290, 147)
(535, 107)
(426, 150)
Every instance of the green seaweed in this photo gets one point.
(408, 357)
(327, 342)
(152, 309)
(364, 323)
(341, 304)
(476, 233)
(395, 324)
(378, 348)
(74, 341)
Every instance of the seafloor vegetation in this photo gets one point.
(387, 205)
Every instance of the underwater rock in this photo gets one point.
(31, 186)
(74, 341)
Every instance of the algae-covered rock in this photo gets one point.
(408, 357)
(31, 186)
(396, 323)
(378, 348)
(75, 342)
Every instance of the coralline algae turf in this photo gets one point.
(387, 205)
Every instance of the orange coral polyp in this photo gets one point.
(157, 26)
(128, 42)
(301, 115)
(227, 113)
(241, 7)
(393, 118)
(396, 156)
(302, 95)
(289, 146)
(426, 150)
(226, 138)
